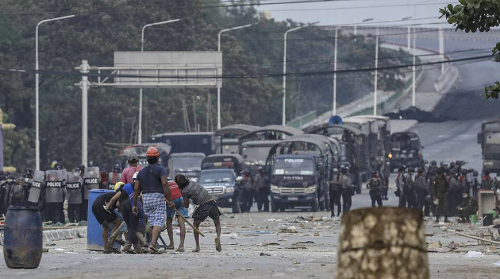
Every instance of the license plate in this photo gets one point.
(293, 198)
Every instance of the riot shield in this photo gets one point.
(113, 178)
(54, 192)
(36, 186)
(91, 181)
(74, 188)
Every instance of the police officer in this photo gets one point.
(347, 189)
(454, 193)
(422, 192)
(468, 207)
(440, 193)
(114, 176)
(261, 186)
(400, 187)
(247, 189)
(375, 186)
(432, 172)
(54, 195)
(74, 195)
(475, 183)
(411, 189)
(336, 191)
(91, 181)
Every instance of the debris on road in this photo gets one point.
(291, 229)
(474, 254)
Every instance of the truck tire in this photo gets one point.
(314, 206)
(236, 204)
(274, 206)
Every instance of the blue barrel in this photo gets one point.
(94, 230)
(23, 237)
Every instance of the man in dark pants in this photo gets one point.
(207, 207)
(106, 218)
(422, 192)
(336, 191)
(401, 186)
(376, 189)
(440, 193)
(347, 190)
(261, 185)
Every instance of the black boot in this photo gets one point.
(446, 219)
(437, 219)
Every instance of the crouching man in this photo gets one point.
(207, 207)
(105, 218)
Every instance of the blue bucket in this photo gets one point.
(94, 230)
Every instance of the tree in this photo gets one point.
(474, 15)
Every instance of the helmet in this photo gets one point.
(475, 173)
(420, 170)
(374, 173)
(433, 163)
(133, 157)
(181, 180)
(441, 170)
(411, 170)
(401, 169)
(118, 185)
(152, 152)
(116, 168)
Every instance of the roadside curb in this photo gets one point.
(62, 234)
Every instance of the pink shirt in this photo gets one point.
(128, 173)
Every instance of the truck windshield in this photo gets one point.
(255, 153)
(293, 166)
(186, 163)
(225, 176)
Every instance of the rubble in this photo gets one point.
(291, 229)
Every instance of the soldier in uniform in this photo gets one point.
(440, 193)
(487, 182)
(336, 191)
(347, 190)
(376, 188)
(74, 195)
(247, 189)
(385, 172)
(475, 184)
(422, 192)
(411, 189)
(468, 207)
(454, 194)
(400, 187)
(462, 180)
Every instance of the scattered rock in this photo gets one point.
(291, 229)
(434, 245)
(267, 244)
(265, 254)
(316, 234)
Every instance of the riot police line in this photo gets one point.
(50, 190)
(447, 190)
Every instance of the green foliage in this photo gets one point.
(473, 15)
(104, 26)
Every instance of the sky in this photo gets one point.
(347, 12)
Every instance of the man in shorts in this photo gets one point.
(152, 182)
(207, 207)
(105, 218)
(179, 205)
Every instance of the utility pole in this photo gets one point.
(441, 48)
(84, 69)
(218, 49)
(376, 75)
(413, 69)
(37, 83)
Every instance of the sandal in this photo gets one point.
(218, 247)
(170, 247)
(153, 250)
(180, 250)
(196, 250)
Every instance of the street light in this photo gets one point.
(284, 67)
(139, 134)
(376, 76)
(37, 140)
(218, 49)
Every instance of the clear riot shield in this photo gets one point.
(36, 186)
(113, 178)
(91, 180)
(74, 188)
(54, 192)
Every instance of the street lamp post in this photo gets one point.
(218, 49)
(284, 68)
(376, 76)
(37, 77)
(335, 74)
(139, 133)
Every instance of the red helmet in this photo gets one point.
(152, 152)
